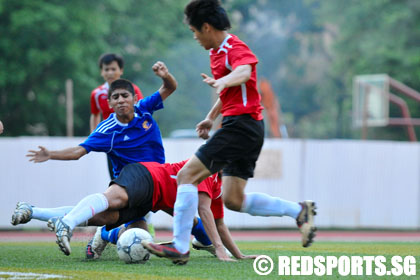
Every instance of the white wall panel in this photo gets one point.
(355, 183)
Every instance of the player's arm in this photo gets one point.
(204, 202)
(169, 83)
(44, 154)
(1, 127)
(203, 128)
(228, 241)
(95, 119)
(238, 76)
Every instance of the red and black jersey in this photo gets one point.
(242, 99)
(165, 187)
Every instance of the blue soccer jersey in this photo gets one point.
(137, 141)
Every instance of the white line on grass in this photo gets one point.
(29, 275)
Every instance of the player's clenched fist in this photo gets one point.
(160, 69)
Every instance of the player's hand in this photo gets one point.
(203, 128)
(219, 84)
(39, 156)
(243, 257)
(221, 255)
(160, 69)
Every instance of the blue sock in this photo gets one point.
(135, 220)
(200, 233)
(110, 236)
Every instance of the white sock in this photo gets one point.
(44, 214)
(261, 204)
(86, 209)
(184, 212)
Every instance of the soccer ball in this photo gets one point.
(129, 246)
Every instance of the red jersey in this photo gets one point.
(99, 100)
(165, 187)
(242, 99)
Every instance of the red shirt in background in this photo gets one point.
(99, 100)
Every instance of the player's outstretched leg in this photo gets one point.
(63, 233)
(96, 245)
(22, 214)
(167, 250)
(305, 222)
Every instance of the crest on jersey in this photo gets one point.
(147, 125)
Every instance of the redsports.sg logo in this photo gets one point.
(343, 265)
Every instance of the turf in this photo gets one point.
(44, 257)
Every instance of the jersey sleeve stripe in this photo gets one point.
(106, 125)
(244, 95)
(106, 128)
(228, 66)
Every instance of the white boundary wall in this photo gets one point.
(356, 184)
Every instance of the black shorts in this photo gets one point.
(235, 147)
(138, 183)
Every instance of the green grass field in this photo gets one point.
(44, 257)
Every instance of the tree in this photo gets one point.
(375, 37)
(46, 42)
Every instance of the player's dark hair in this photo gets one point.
(120, 84)
(108, 58)
(198, 12)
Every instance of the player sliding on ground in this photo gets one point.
(128, 135)
(140, 188)
(236, 146)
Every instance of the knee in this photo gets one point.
(186, 176)
(117, 197)
(192, 173)
(182, 177)
(234, 204)
(117, 203)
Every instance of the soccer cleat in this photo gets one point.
(63, 233)
(22, 213)
(96, 245)
(197, 245)
(305, 222)
(90, 255)
(200, 246)
(166, 250)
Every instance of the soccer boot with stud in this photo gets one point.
(62, 232)
(22, 213)
(96, 245)
(168, 251)
(197, 245)
(305, 222)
